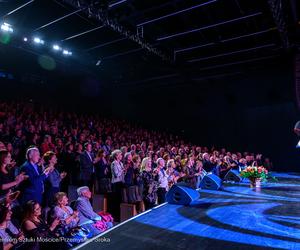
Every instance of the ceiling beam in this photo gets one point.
(105, 44)
(232, 53)
(208, 27)
(224, 40)
(176, 13)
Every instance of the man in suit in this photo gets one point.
(87, 166)
(33, 187)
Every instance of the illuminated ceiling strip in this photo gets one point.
(207, 27)
(238, 62)
(176, 13)
(20, 7)
(232, 53)
(116, 3)
(59, 19)
(82, 33)
(123, 53)
(105, 44)
(225, 40)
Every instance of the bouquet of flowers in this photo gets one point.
(253, 172)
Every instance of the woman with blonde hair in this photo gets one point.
(149, 184)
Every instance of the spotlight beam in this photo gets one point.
(207, 27)
(176, 13)
(82, 33)
(59, 19)
(105, 44)
(18, 8)
(231, 53)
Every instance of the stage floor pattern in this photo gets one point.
(235, 218)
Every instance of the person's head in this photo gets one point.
(59, 142)
(69, 146)
(2, 146)
(50, 158)
(19, 133)
(136, 161)
(33, 155)
(234, 157)
(32, 209)
(88, 147)
(146, 164)
(128, 157)
(133, 147)
(171, 163)
(78, 147)
(61, 199)
(5, 158)
(5, 213)
(101, 153)
(47, 139)
(206, 156)
(160, 162)
(243, 161)
(84, 192)
(248, 158)
(212, 159)
(117, 155)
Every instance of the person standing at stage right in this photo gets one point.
(162, 178)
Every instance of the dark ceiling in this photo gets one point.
(199, 38)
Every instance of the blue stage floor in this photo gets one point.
(235, 218)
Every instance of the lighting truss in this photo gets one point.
(277, 9)
(102, 16)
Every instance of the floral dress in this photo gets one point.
(150, 187)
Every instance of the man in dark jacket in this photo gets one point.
(33, 187)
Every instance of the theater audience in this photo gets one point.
(74, 139)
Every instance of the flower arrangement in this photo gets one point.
(253, 172)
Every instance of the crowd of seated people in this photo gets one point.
(43, 152)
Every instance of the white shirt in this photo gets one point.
(163, 179)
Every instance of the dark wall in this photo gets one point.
(254, 111)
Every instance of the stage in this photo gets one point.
(235, 218)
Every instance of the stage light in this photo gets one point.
(98, 62)
(6, 28)
(38, 40)
(56, 47)
(25, 39)
(67, 53)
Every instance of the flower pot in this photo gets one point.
(255, 182)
